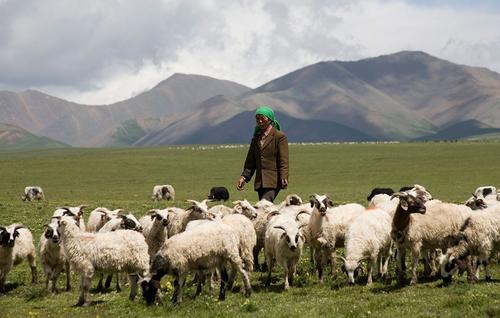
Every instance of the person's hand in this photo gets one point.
(240, 184)
(284, 183)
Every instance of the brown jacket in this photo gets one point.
(269, 163)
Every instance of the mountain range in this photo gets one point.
(408, 95)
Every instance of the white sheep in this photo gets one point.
(33, 193)
(111, 252)
(98, 217)
(16, 244)
(53, 258)
(368, 237)
(479, 236)
(163, 192)
(205, 247)
(327, 227)
(117, 222)
(423, 226)
(179, 218)
(154, 229)
(283, 245)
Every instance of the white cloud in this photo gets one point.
(101, 52)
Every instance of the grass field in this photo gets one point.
(123, 178)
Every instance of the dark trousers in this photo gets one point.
(268, 193)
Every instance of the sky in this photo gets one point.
(100, 52)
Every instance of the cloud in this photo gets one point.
(106, 51)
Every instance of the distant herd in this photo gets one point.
(218, 244)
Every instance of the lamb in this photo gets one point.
(98, 217)
(240, 207)
(205, 247)
(483, 198)
(110, 252)
(327, 228)
(16, 244)
(368, 237)
(52, 257)
(163, 192)
(283, 244)
(416, 231)
(154, 228)
(479, 236)
(218, 194)
(33, 193)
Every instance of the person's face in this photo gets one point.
(262, 121)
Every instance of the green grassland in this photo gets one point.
(124, 177)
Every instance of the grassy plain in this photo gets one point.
(124, 177)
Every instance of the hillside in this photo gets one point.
(13, 137)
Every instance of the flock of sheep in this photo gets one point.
(219, 243)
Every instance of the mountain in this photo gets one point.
(469, 129)
(239, 128)
(13, 137)
(401, 96)
(84, 125)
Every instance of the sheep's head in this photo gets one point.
(293, 199)
(352, 268)
(410, 203)
(321, 203)
(159, 216)
(8, 235)
(151, 284)
(244, 207)
(129, 222)
(293, 237)
(52, 232)
(200, 208)
(476, 203)
(420, 192)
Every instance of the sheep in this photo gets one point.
(119, 221)
(483, 197)
(368, 237)
(205, 247)
(98, 217)
(218, 194)
(283, 244)
(117, 251)
(75, 211)
(163, 192)
(33, 193)
(154, 229)
(16, 244)
(479, 236)
(416, 231)
(244, 207)
(375, 191)
(52, 257)
(327, 228)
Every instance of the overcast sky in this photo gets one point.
(104, 51)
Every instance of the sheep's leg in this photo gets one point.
(34, 275)
(318, 256)
(400, 264)
(333, 259)
(232, 277)
(118, 288)
(2, 283)
(256, 264)
(286, 271)
(415, 254)
(107, 282)
(52, 280)
(270, 265)
(200, 281)
(133, 278)
(486, 270)
(292, 271)
(85, 280)
(68, 277)
(246, 278)
(100, 286)
(385, 266)
(372, 263)
(223, 281)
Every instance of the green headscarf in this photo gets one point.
(269, 113)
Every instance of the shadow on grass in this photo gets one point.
(11, 286)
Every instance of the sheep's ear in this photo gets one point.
(404, 204)
(236, 202)
(330, 203)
